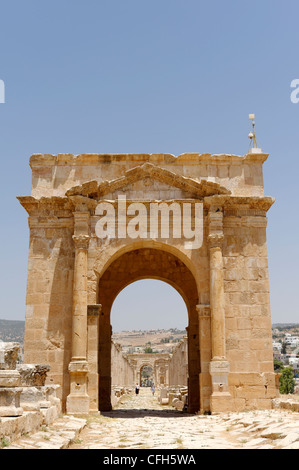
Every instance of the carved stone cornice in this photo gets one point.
(82, 203)
(81, 241)
(62, 159)
(239, 202)
(46, 206)
(199, 189)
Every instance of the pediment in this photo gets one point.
(149, 173)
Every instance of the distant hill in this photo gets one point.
(12, 330)
(285, 325)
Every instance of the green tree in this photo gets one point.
(278, 365)
(148, 350)
(286, 381)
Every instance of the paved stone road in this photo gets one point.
(140, 422)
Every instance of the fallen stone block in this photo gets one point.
(10, 401)
(33, 374)
(179, 405)
(10, 378)
(9, 352)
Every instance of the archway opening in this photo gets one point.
(149, 320)
(146, 376)
(148, 304)
(125, 280)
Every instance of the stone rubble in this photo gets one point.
(26, 403)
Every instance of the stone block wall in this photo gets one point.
(122, 372)
(178, 364)
(247, 311)
(48, 321)
(224, 283)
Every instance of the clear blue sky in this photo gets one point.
(160, 76)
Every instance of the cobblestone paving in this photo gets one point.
(140, 422)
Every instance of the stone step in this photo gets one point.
(59, 435)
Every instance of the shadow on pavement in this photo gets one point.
(143, 413)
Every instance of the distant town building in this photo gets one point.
(292, 340)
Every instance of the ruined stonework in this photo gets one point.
(23, 389)
(122, 369)
(158, 362)
(74, 276)
(178, 364)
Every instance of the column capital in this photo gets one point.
(215, 240)
(94, 310)
(203, 310)
(81, 241)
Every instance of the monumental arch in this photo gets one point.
(158, 362)
(74, 275)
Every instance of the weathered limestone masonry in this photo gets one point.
(122, 373)
(178, 364)
(122, 369)
(159, 362)
(74, 275)
(26, 403)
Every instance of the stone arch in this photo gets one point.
(116, 248)
(146, 263)
(144, 365)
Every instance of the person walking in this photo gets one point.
(137, 389)
(153, 389)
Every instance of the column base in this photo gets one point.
(78, 401)
(220, 400)
(77, 404)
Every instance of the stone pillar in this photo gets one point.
(167, 375)
(78, 399)
(205, 386)
(138, 377)
(93, 313)
(219, 366)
